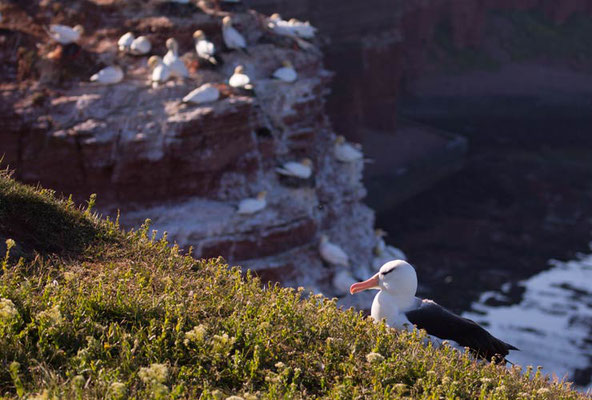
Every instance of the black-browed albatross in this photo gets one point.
(396, 303)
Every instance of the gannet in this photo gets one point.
(346, 152)
(160, 71)
(302, 169)
(239, 79)
(287, 73)
(204, 94)
(252, 205)
(232, 38)
(303, 29)
(140, 46)
(125, 41)
(397, 305)
(172, 60)
(382, 250)
(108, 75)
(64, 34)
(332, 253)
(204, 48)
(342, 280)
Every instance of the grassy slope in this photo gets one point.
(101, 313)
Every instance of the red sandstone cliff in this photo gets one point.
(374, 47)
(185, 167)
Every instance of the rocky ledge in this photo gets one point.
(186, 167)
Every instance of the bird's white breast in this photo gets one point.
(203, 94)
(285, 74)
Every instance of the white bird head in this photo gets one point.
(287, 64)
(154, 61)
(199, 35)
(275, 17)
(79, 29)
(172, 45)
(340, 139)
(239, 69)
(324, 238)
(396, 277)
(227, 21)
(307, 162)
(261, 195)
(380, 233)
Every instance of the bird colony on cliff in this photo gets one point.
(226, 48)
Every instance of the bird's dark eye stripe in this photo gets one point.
(389, 271)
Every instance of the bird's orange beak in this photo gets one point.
(371, 283)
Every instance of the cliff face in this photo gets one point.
(374, 49)
(186, 167)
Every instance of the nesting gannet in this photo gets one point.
(302, 169)
(160, 71)
(204, 48)
(252, 205)
(204, 94)
(303, 29)
(140, 46)
(396, 303)
(342, 280)
(332, 253)
(239, 79)
(64, 34)
(232, 38)
(383, 251)
(172, 60)
(125, 41)
(287, 73)
(108, 75)
(345, 152)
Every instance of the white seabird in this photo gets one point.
(204, 48)
(252, 205)
(125, 41)
(397, 305)
(232, 38)
(287, 73)
(302, 169)
(342, 280)
(332, 253)
(303, 29)
(172, 60)
(385, 252)
(160, 71)
(64, 34)
(280, 27)
(108, 75)
(239, 79)
(345, 152)
(206, 93)
(140, 46)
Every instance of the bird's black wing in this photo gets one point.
(440, 322)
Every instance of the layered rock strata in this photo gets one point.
(184, 166)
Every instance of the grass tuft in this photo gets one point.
(103, 313)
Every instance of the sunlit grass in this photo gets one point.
(123, 315)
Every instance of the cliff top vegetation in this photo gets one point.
(90, 311)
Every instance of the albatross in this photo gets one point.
(396, 303)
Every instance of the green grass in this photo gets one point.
(91, 311)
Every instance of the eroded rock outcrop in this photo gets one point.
(184, 166)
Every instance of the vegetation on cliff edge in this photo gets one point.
(90, 311)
